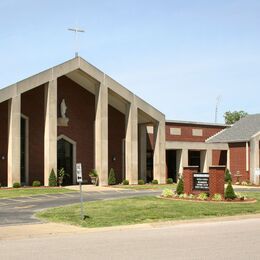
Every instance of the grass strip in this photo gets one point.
(144, 210)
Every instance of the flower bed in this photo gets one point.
(204, 197)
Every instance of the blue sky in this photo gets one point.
(178, 55)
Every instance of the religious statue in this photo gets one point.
(63, 120)
(63, 108)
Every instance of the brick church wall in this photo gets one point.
(81, 113)
(116, 134)
(3, 142)
(32, 106)
(238, 160)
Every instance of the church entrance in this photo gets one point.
(65, 160)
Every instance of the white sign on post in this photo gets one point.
(79, 180)
(79, 172)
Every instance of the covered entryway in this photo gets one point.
(65, 160)
(171, 162)
(194, 159)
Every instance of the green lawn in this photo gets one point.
(23, 192)
(145, 210)
(146, 186)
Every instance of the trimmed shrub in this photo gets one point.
(125, 182)
(228, 176)
(229, 192)
(52, 179)
(140, 182)
(154, 181)
(217, 197)
(180, 187)
(16, 185)
(167, 193)
(202, 196)
(112, 177)
(36, 184)
(169, 181)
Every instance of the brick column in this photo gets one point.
(217, 180)
(188, 178)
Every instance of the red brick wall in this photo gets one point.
(81, 113)
(238, 160)
(116, 134)
(32, 106)
(186, 132)
(3, 142)
(219, 157)
(217, 180)
(188, 179)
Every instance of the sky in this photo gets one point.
(178, 55)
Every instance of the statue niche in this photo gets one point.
(63, 120)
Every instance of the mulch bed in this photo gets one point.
(250, 200)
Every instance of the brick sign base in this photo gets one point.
(216, 180)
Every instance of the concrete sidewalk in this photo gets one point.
(92, 188)
(246, 187)
(57, 229)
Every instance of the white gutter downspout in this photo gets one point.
(247, 157)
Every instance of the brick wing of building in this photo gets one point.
(243, 147)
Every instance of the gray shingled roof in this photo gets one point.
(242, 130)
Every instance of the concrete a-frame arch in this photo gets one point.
(137, 112)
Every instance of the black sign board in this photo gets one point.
(201, 181)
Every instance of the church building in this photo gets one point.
(74, 113)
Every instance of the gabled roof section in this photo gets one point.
(78, 64)
(241, 131)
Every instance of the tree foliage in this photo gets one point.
(180, 187)
(52, 179)
(232, 117)
(229, 192)
(112, 177)
(228, 176)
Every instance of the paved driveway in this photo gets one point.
(232, 239)
(21, 210)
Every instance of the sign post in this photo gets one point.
(79, 180)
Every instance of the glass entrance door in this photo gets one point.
(65, 160)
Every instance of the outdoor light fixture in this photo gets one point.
(3, 157)
(113, 158)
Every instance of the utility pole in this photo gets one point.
(76, 31)
(216, 109)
